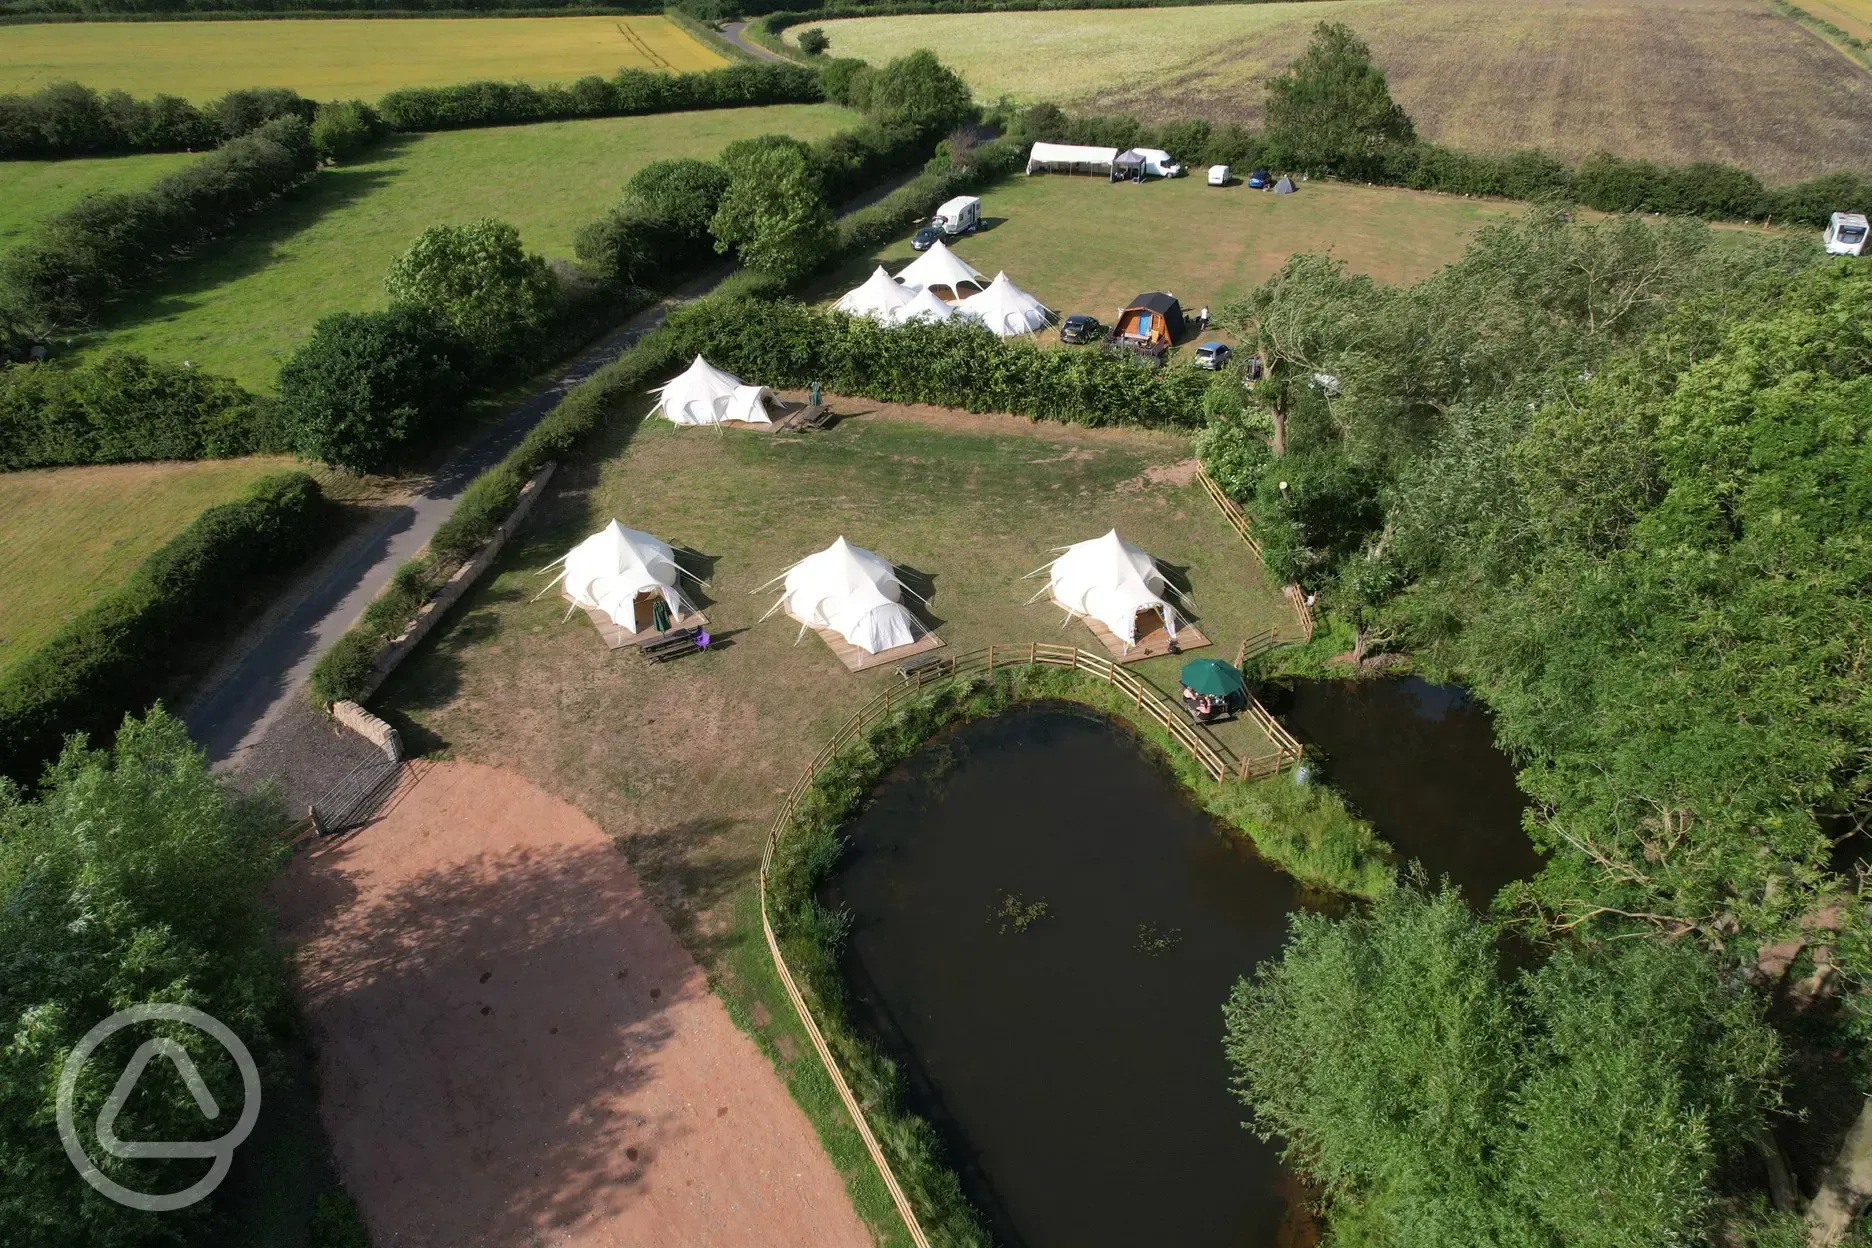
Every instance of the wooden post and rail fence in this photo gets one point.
(1238, 520)
(1144, 698)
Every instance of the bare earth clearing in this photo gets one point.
(515, 1050)
(1670, 80)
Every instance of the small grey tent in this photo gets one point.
(1285, 186)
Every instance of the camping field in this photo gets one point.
(339, 59)
(1672, 80)
(682, 761)
(1086, 245)
(245, 301)
(31, 190)
(75, 533)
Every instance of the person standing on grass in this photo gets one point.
(1202, 320)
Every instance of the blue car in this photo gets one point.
(925, 238)
(1213, 356)
(1261, 179)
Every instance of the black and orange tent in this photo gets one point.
(1153, 321)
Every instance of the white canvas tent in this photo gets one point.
(927, 305)
(1006, 309)
(622, 572)
(705, 395)
(851, 591)
(1112, 581)
(941, 267)
(1070, 158)
(879, 298)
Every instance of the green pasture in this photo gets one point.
(32, 190)
(247, 300)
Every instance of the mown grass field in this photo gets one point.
(1086, 245)
(242, 305)
(32, 190)
(339, 59)
(1852, 16)
(1671, 80)
(73, 534)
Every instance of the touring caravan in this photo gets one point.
(960, 215)
(1846, 234)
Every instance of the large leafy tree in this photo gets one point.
(774, 214)
(1438, 1099)
(479, 279)
(1332, 112)
(366, 385)
(134, 877)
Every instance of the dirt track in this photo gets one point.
(515, 1050)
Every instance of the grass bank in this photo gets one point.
(338, 58)
(1728, 80)
(242, 305)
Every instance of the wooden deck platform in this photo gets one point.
(1152, 645)
(616, 637)
(856, 660)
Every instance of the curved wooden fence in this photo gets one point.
(987, 660)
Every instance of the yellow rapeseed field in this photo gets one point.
(339, 59)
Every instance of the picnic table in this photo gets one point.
(673, 645)
(932, 664)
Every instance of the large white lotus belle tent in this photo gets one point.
(852, 592)
(1115, 583)
(880, 298)
(926, 306)
(1006, 309)
(704, 395)
(941, 268)
(623, 573)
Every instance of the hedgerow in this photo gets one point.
(631, 91)
(117, 654)
(65, 119)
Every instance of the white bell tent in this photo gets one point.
(705, 395)
(851, 591)
(926, 306)
(1113, 582)
(622, 572)
(941, 267)
(879, 298)
(1006, 309)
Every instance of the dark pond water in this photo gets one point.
(1074, 1065)
(1419, 760)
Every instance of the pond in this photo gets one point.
(1419, 760)
(1044, 931)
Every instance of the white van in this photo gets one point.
(959, 216)
(1218, 175)
(1846, 234)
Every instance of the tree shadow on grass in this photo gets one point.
(486, 1026)
(251, 245)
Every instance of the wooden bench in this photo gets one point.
(671, 646)
(931, 664)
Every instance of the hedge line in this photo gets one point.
(108, 244)
(65, 119)
(953, 364)
(344, 669)
(1609, 183)
(777, 17)
(631, 91)
(127, 407)
(116, 656)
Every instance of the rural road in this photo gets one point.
(252, 718)
(736, 33)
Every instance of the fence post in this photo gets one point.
(1032, 648)
(991, 658)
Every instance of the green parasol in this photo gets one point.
(1211, 676)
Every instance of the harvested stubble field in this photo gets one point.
(1086, 245)
(682, 763)
(243, 303)
(339, 59)
(73, 534)
(1852, 16)
(1671, 80)
(32, 190)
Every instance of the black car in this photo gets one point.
(1261, 179)
(1213, 356)
(1079, 328)
(926, 238)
